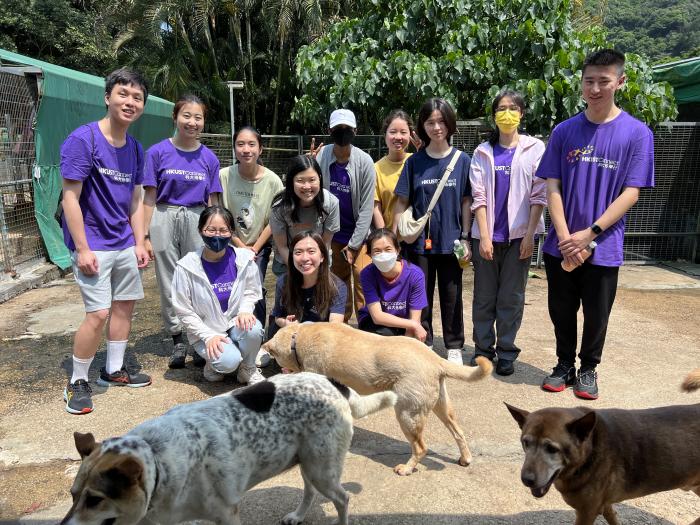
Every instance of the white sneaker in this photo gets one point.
(455, 356)
(210, 374)
(249, 376)
(262, 359)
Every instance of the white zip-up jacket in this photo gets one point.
(196, 304)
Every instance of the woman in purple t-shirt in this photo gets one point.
(507, 206)
(181, 177)
(214, 292)
(394, 290)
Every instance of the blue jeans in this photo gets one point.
(243, 348)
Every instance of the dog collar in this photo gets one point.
(294, 350)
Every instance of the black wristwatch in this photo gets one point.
(596, 229)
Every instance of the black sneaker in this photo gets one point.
(504, 367)
(198, 360)
(586, 386)
(177, 359)
(562, 376)
(123, 378)
(77, 397)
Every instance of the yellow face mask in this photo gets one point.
(507, 120)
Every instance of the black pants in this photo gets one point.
(368, 325)
(449, 280)
(589, 285)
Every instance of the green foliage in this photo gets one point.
(400, 53)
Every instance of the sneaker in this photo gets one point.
(586, 386)
(210, 374)
(249, 375)
(77, 397)
(505, 367)
(177, 359)
(562, 376)
(198, 360)
(455, 356)
(262, 359)
(123, 378)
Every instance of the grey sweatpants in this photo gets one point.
(499, 296)
(173, 235)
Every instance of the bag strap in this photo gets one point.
(450, 168)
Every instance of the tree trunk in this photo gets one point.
(278, 88)
(236, 26)
(251, 99)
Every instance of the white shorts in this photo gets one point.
(118, 279)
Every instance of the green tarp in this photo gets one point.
(68, 99)
(684, 76)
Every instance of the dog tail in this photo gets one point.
(362, 406)
(692, 381)
(466, 373)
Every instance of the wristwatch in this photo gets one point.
(464, 236)
(592, 245)
(596, 229)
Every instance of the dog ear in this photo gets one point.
(84, 443)
(124, 473)
(582, 427)
(518, 414)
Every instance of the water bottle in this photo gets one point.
(459, 251)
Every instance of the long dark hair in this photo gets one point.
(448, 114)
(287, 200)
(255, 132)
(325, 289)
(519, 101)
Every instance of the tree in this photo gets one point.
(400, 53)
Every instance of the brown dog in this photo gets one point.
(692, 381)
(371, 363)
(599, 457)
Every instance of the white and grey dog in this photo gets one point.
(197, 460)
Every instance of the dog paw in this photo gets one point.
(465, 461)
(291, 519)
(403, 470)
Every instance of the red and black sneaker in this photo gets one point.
(586, 386)
(123, 378)
(77, 397)
(563, 375)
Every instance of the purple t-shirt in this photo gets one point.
(222, 274)
(109, 176)
(340, 187)
(502, 160)
(182, 178)
(406, 292)
(595, 162)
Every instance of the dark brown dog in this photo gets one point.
(599, 457)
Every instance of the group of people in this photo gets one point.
(334, 229)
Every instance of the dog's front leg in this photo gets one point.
(586, 516)
(233, 517)
(610, 516)
(296, 517)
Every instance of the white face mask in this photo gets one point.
(385, 261)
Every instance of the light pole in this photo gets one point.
(233, 84)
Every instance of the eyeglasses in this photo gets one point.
(503, 108)
(221, 231)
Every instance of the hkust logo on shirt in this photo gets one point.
(186, 175)
(116, 176)
(584, 155)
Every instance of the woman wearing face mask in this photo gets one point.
(303, 206)
(181, 177)
(214, 291)
(433, 252)
(508, 204)
(394, 290)
(309, 292)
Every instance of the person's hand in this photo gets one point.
(215, 346)
(416, 141)
(486, 248)
(290, 319)
(142, 257)
(576, 242)
(244, 321)
(349, 254)
(527, 246)
(467, 251)
(313, 152)
(87, 262)
(149, 249)
(419, 332)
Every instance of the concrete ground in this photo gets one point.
(653, 341)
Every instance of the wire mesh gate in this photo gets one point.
(20, 241)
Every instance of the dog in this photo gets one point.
(370, 363)
(692, 381)
(599, 457)
(197, 460)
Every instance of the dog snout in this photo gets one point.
(528, 479)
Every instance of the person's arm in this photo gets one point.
(527, 245)
(466, 225)
(538, 200)
(181, 294)
(384, 319)
(367, 176)
(136, 220)
(262, 239)
(418, 332)
(336, 318)
(149, 203)
(556, 214)
(485, 243)
(86, 259)
(400, 206)
(281, 248)
(377, 216)
(214, 199)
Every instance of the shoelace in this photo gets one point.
(587, 378)
(82, 387)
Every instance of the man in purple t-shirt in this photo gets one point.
(595, 163)
(102, 170)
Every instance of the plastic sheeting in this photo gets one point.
(684, 76)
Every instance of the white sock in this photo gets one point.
(81, 367)
(115, 355)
